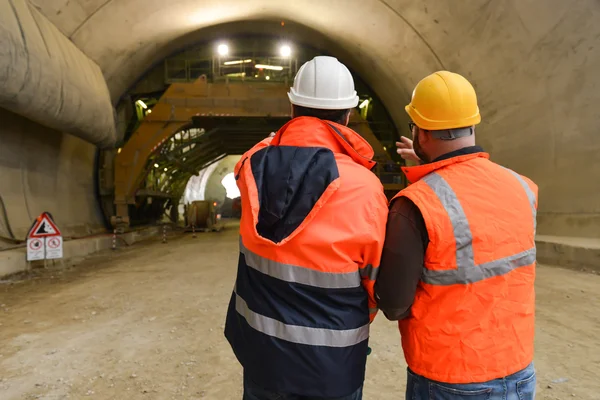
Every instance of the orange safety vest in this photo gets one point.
(312, 232)
(473, 315)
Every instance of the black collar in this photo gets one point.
(460, 152)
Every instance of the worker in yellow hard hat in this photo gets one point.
(444, 105)
(458, 264)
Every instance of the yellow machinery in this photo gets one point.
(175, 110)
(203, 103)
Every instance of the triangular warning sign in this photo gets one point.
(44, 227)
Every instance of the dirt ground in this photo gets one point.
(146, 322)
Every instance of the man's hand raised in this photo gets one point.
(406, 150)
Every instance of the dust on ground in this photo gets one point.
(146, 322)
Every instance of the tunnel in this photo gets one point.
(82, 81)
(532, 65)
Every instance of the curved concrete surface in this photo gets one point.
(213, 189)
(44, 170)
(46, 78)
(534, 65)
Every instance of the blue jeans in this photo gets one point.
(518, 386)
(255, 392)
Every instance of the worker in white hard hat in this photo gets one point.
(312, 230)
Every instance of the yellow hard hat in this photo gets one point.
(444, 100)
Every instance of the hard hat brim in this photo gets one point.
(433, 125)
(323, 104)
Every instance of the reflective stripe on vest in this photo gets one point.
(296, 274)
(530, 196)
(467, 271)
(301, 334)
(369, 272)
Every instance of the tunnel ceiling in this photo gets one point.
(391, 43)
(534, 63)
(126, 37)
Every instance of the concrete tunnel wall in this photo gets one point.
(46, 78)
(44, 170)
(213, 190)
(534, 65)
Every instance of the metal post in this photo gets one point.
(164, 240)
(213, 68)
(114, 240)
(193, 231)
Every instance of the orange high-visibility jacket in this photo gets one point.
(473, 315)
(312, 232)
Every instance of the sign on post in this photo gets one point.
(44, 240)
(35, 249)
(54, 247)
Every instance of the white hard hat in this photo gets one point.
(324, 83)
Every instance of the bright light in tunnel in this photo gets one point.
(285, 50)
(141, 103)
(271, 67)
(230, 186)
(236, 62)
(223, 49)
(155, 165)
(267, 77)
(364, 104)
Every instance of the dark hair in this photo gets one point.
(337, 116)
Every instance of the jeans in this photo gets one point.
(518, 386)
(255, 392)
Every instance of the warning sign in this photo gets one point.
(54, 247)
(36, 249)
(44, 227)
(44, 240)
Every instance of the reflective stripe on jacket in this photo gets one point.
(312, 230)
(473, 315)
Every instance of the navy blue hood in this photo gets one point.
(290, 180)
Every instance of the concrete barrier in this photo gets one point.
(569, 252)
(14, 261)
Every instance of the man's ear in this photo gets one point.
(348, 118)
(423, 136)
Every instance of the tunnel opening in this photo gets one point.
(193, 154)
(208, 101)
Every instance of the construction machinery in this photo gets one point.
(192, 126)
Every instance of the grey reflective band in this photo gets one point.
(301, 334)
(296, 274)
(369, 272)
(467, 271)
(479, 272)
(530, 195)
(460, 224)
